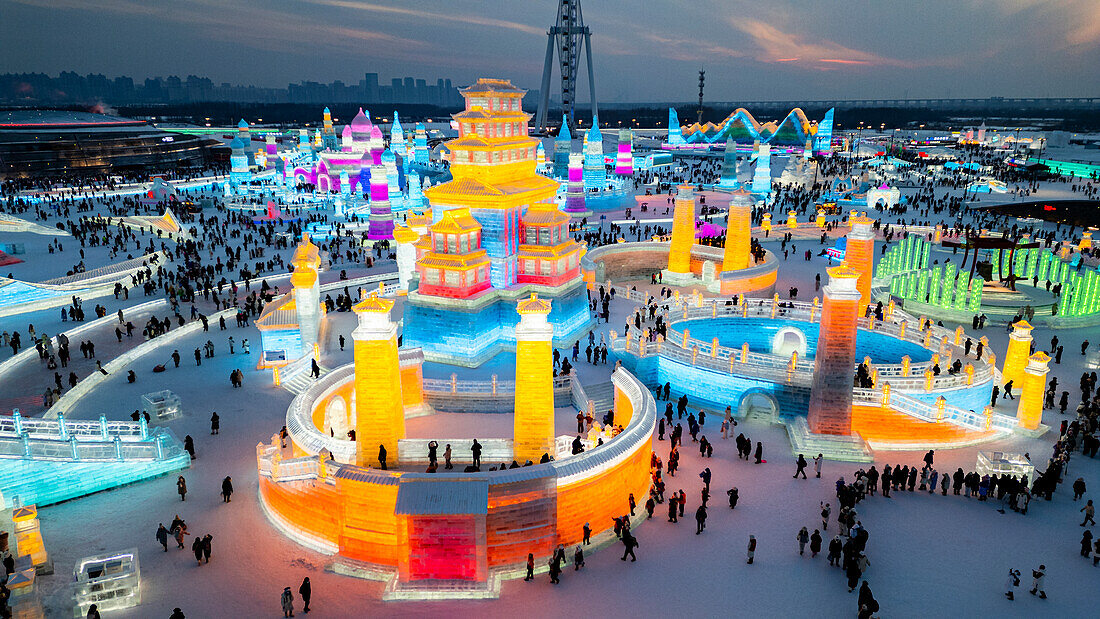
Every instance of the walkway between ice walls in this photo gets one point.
(715, 376)
(454, 534)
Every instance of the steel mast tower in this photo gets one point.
(568, 35)
(699, 113)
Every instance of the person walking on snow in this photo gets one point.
(1011, 583)
(1037, 577)
(1090, 512)
(306, 591)
(287, 601)
(817, 465)
(227, 488)
(801, 467)
(162, 536)
(752, 549)
(803, 537)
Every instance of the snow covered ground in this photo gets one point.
(930, 555)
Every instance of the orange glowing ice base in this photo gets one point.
(423, 528)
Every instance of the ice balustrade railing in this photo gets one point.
(483, 387)
(895, 326)
(638, 433)
(82, 430)
(89, 277)
(156, 447)
(299, 421)
(934, 413)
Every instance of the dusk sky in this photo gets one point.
(644, 50)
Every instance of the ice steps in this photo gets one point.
(302, 381)
(602, 396)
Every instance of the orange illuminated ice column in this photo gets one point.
(1016, 357)
(534, 411)
(830, 410)
(738, 232)
(683, 237)
(379, 411)
(1029, 412)
(860, 255)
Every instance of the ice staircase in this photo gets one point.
(834, 447)
(602, 396)
(45, 462)
(297, 377)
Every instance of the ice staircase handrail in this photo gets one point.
(918, 409)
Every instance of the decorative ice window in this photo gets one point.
(451, 278)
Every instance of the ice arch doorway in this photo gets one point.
(758, 404)
(788, 340)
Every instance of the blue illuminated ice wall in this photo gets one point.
(823, 139)
(450, 333)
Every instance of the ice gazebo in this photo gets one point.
(452, 533)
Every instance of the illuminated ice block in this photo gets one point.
(574, 188)
(1016, 356)
(830, 408)
(380, 416)
(683, 237)
(624, 158)
(1029, 412)
(533, 418)
(595, 174)
(860, 255)
(162, 405)
(762, 175)
(730, 166)
(563, 146)
(111, 581)
(736, 255)
(675, 134)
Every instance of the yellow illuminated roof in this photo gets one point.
(1022, 325)
(456, 221)
(843, 272)
(373, 304)
(544, 214)
(492, 86)
(403, 234)
(534, 305)
(457, 189)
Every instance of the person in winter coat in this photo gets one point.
(215, 423)
(759, 452)
(732, 494)
(752, 549)
(1078, 488)
(578, 558)
(1086, 543)
(803, 537)
(181, 487)
(867, 601)
(162, 536)
(189, 446)
(629, 543)
(530, 567)
(1037, 578)
(801, 464)
(817, 465)
(93, 612)
(177, 614)
(1011, 583)
(1090, 512)
(287, 601)
(853, 574)
(206, 547)
(835, 547)
(227, 488)
(196, 547)
(306, 591)
(815, 543)
(700, 519)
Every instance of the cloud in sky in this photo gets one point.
(750, 49)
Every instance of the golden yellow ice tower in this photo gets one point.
(1019, 347)
(534, 410)
(738, 231)
(1029, 412)
(683, 237)
(379, 412)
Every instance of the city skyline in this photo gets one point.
(784, 50)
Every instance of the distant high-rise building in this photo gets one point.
(370, 88)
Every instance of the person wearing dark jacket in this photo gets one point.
(866, 599)
(227, 488)
(759, 452)
(306, 591)
(629, 543)
(162, 536)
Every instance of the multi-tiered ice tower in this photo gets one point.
(494, 220)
